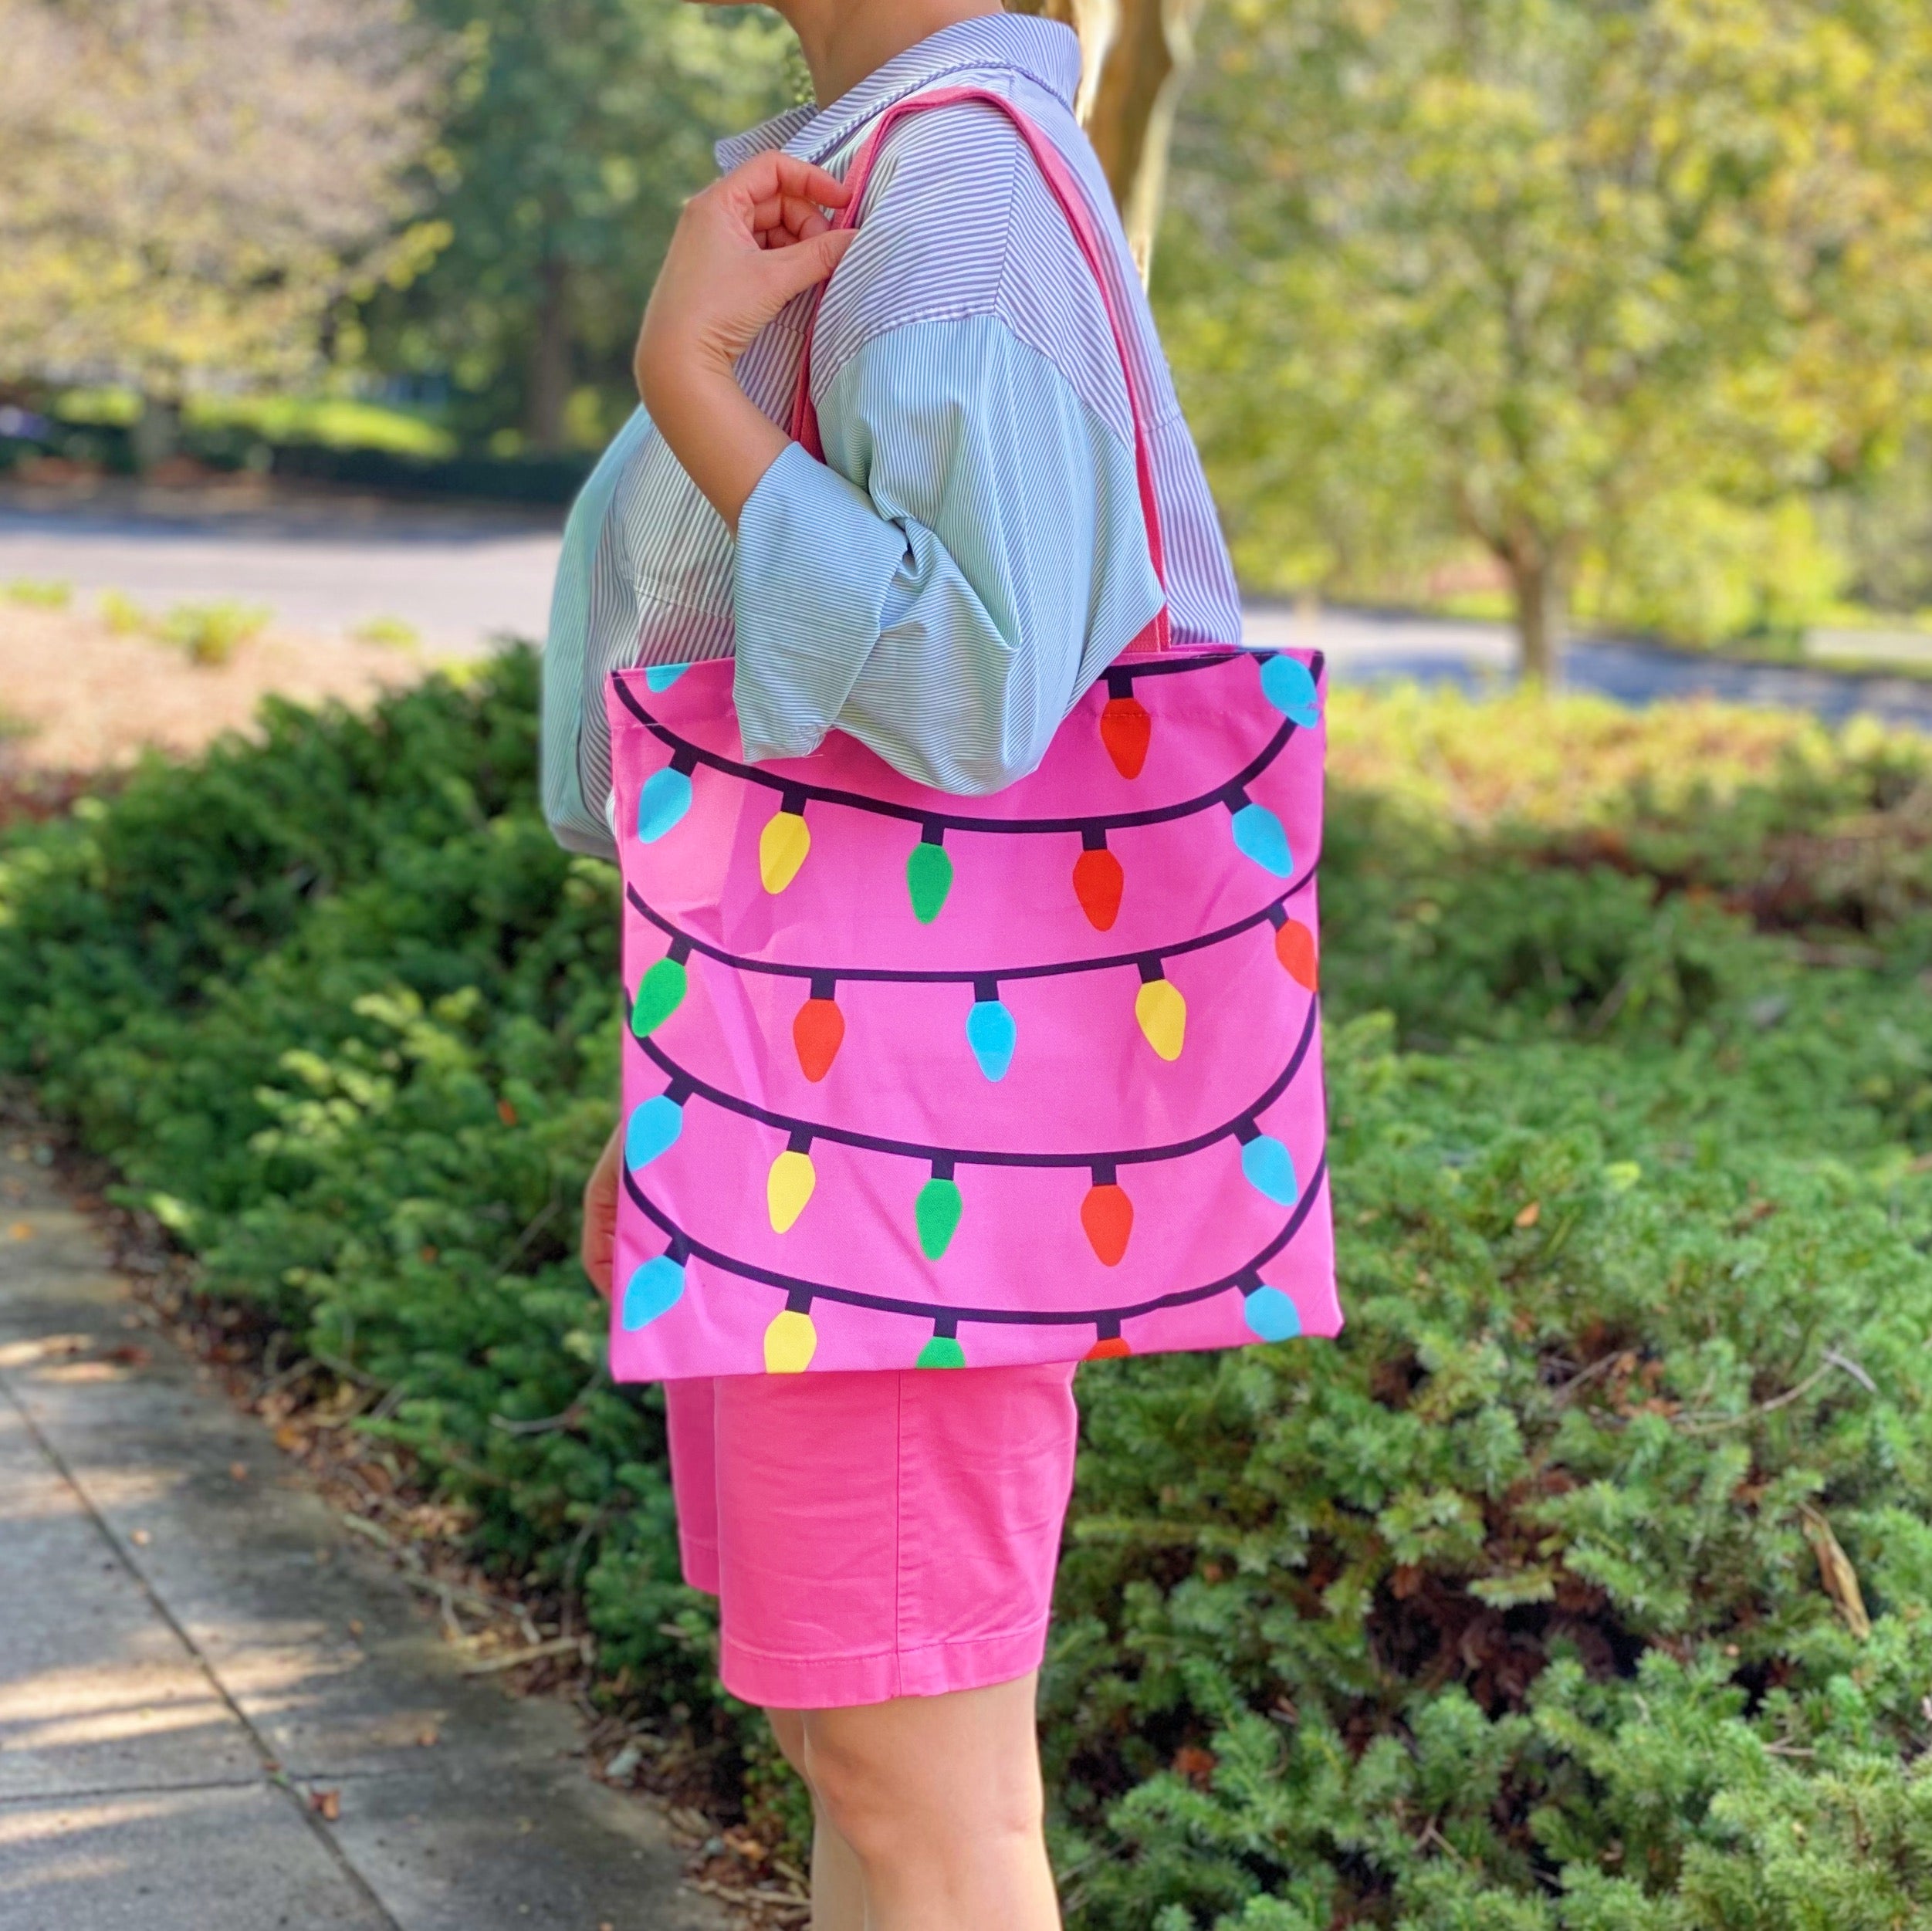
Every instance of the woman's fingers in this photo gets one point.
(779, 192)
(783, 219)
(796, 222)
(806, 261)
(805, 219)
(802, 181)
(598, 1247)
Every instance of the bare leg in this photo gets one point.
(838, 1885)
(939, 1798)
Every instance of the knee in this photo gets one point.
(893, 1812)
(788, 1732)
(857, 1794)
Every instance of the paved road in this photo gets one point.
(462, 577)
(218, 1712)
(1365, 647)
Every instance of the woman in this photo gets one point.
(968, 557)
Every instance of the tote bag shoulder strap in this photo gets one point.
(1068, 193)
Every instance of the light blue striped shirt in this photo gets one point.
(972, 553)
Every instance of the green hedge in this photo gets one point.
(536, 482)
(1503, 1613)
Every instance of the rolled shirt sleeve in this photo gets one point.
(947, 584)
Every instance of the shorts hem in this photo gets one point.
(842, 1683)
(699, 1562)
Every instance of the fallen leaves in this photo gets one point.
(1834, 1570)
(531, 1652)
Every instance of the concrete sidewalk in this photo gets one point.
(181, 1688)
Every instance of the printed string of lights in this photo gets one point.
(1173, 662)
(791, 1339)
(1106, 1208)
(818, 1028)
(1098, 880)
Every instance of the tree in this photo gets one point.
(578, 127)
(190, 187)
(1556, 264)
(1136, 55)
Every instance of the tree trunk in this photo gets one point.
(1541, 592)
(156, 433)
(550, 371)
(1136, 55)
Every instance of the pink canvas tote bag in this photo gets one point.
(913, 1078)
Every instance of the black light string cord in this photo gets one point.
(800, 1293)
(881, 975)
(685, 1083)
(686, 756)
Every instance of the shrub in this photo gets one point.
(210, 634)
(392, 631)
(122, 615)
(1507, 1610)
(39, 594)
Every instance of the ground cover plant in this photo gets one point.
(1583, 1584)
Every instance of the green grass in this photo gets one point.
(39, 594)
(336, 422)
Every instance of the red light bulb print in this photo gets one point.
(1125, 729)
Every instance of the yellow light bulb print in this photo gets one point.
(1162, 1013)
(782, 847)
(788, 1186)
(790, 1342)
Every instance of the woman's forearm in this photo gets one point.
(741, 250)
(722, 439)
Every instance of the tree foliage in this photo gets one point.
(189, 189)
(577, 129)
(1549, 275)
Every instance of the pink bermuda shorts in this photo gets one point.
(874, 1535)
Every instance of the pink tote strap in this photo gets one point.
(1067, 190)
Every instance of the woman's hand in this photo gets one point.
(741, 250)
(599, 1245)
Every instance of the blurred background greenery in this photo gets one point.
(1541, 308)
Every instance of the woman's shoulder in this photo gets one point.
(958, 224)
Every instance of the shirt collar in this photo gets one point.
(1044, 51)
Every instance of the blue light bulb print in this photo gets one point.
(654, 1126)
(991, 1034)
(1268, 1169)
(665, 798)
(1287, 685)
(1258, 835)
(654, 1288)
(1270, 1314)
